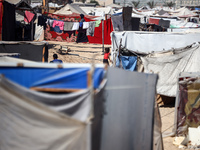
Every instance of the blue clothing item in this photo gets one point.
(80, 24)
(128, 62)
(57, 29)
(57, 61)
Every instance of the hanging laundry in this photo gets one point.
(97, 23)
(85, 25)
(68, 26)
(28, 16)
(90, 30)
(75, 26)
(60, 24)
(50, 22)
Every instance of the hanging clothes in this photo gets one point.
(60, 24)
(68, 26)
(75, 26)
(91, 28)
(1, 15)
(28, 16)
(8, 22)
(97, 23)
(85, 25)
(50, 22)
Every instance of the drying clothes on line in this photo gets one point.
(57, 29)
(85, 25)
(28, 16)
(91, 28)
(75, 26)
(68, 26)
(50, 22)
(60, 24)
(97, 23)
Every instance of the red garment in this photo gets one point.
(106, 55)
(154, 21)
(28, 16)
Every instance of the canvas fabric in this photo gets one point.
(169, 66)
(33, 120)
(129, 110)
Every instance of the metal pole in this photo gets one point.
(102, 35)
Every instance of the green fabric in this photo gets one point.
(97, 23)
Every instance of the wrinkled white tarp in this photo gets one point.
(26, 124)
(168, 66)
(152, 41)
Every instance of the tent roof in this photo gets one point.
(69, 9)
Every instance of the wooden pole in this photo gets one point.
(102, 35)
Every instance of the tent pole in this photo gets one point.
(102, 36)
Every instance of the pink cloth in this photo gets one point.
(58, 23)
(28, 16)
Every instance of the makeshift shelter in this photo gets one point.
(46, 114)
(187, 109)
(146, 42)
(184, 12)
(169, 64)
(70, 9)
(35, 51)
(17, 30)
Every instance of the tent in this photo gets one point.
(187, 103)
(13, 29)
(128, 122)
(70, 9)
(169, 64)
(35, 51)
(146, 42)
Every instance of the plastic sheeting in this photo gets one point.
(152, 41)
(128, 122)
(169, 65)
(128, 62)
(188, 105)
(75, 77)
(28, 124)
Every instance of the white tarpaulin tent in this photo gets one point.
(147, 42)
(69, 9)
(169, 64)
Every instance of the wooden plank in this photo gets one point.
(54, 90)
(43, 52)
(89, 79)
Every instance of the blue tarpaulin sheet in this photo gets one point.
(128, 62)
(62, 78)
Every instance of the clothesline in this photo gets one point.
(60, 26)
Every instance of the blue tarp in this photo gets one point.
(61, 78)
(128, 62)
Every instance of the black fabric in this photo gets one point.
(164, 23)
(27, 32)
(81, 37)
(135, 24)
(42, 21)
(8, 22)
(27, 51)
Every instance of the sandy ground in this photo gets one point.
(84, 53)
